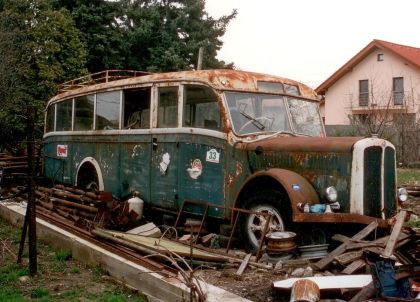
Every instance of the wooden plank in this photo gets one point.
(165, 246)
(374, 249)
(329, 282)
(243, 265)
(321, 264)
(349, 257)
(390, 246)
(360, 245)
(341, 238)
(365, 294)
(354, 266)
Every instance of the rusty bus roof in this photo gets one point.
(219, 79)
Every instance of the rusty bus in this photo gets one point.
(220, 137)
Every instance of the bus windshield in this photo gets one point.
(256, 113)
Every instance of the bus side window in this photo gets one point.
(108, 110)
(83, 118)
(201, 109)
(49, 125)
(137, 108)
(168, 107)
(64, 114)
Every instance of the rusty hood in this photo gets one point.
(301, 144)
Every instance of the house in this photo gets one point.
(377, 92)
(381, 81)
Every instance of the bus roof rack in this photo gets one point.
(99, 77)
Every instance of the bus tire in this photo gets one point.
(252, 225)
(87, 179)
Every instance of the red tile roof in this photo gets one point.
(407, 53)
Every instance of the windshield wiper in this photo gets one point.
(254, 121)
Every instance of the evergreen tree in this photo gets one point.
(154, 35)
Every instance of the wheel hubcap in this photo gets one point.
(257, 223)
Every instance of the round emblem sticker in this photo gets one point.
(196, 169)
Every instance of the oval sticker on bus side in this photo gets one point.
(213, 156)
(62, 150)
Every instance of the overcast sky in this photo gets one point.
(308, 40)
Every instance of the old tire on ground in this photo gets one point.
(252, 225)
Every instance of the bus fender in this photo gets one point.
(298, 188)
(90, 160)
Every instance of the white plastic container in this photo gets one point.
(136, 205)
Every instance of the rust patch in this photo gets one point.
(231, 178)
(303, 144)
(305, 290)
(219, 79)
(338, 218)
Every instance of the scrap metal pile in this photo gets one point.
(383, 268)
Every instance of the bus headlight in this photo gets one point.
(402, 195)
(331, 194)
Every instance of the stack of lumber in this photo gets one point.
(354, 253)
(78, 206)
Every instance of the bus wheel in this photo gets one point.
(87, 179)
(92, 187)
(253, 224)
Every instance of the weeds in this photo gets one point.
(75, 270)
(97, 273)
(62, 255)
(39, 293)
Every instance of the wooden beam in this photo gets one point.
(354, 266)
(243, 265)
(348, 257)
(390, 246)
(321, 264)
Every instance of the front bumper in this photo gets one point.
(339, 218)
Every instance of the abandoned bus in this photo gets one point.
(224, 138)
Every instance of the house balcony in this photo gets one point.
(400, 103)
(371, 108)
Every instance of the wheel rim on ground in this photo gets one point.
(256, 223)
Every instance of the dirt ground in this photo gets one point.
(254, 284)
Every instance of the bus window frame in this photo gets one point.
(155, 104)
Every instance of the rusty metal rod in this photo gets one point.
(68, 203)
(65, 194)
(233, 231)
(138, 248)
(93, 197)
(267, 224)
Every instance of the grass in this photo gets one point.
(59, 277)
(62, 255)
(408, 176)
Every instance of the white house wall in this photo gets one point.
(343, 95)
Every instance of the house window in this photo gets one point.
(398, 90)
(380, 57)
(363, 92)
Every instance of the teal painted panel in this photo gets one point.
(320, 169)
(135, 163)
(164, 170)
(201, 176)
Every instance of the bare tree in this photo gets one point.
(381, 118)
